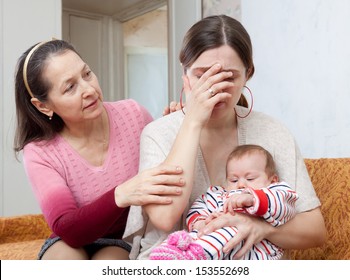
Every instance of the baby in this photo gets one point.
(252, 188)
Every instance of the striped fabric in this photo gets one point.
(275, 204)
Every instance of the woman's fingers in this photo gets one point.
(220, 87)
(235, 241)
(173, 107)
(164, 169)
(166, 110)
(169, 180)
(143, 195)
(150, 199)
(164, 175)
(225, 207)
(211, 72)
(156, 194)
(215, 80)
(217, 84)
(218, 222)
(155, 199)
(163, 190)
(155, 185)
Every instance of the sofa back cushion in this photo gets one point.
(331, 180)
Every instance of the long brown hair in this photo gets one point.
(32, 125)
(213, 32)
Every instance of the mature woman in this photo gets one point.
(81, 154)
(217, 61)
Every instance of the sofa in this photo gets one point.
(21, 237)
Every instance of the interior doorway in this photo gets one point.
(146, 60)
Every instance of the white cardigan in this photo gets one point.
(157, 139)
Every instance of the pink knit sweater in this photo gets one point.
(76, 198)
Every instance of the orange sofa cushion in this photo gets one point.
(331, 180)
(21, 237)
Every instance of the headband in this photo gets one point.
(26, 65)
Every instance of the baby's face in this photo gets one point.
(248, 171)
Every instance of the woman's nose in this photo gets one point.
(87, 89)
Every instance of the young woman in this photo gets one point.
(217, 61)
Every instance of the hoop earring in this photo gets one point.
(182, 107)
(251, 107)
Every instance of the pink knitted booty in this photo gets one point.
(178, 246)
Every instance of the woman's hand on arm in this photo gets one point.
(153, 186)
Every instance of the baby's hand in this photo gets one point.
(236, 201)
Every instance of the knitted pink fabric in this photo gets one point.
(178, 246)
